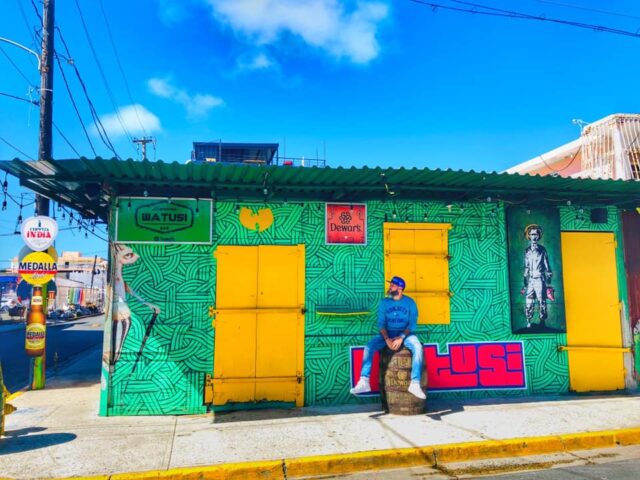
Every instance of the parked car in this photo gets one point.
(17, 310)
(61, 314)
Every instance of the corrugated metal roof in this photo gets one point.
(87, 185)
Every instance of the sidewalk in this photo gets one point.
(57, 433)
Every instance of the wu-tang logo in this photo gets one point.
(256, 221)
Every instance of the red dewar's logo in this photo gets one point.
(346, 224)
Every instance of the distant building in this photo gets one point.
(8, 286)
(80, 279)
(607, 148)
(248, 153)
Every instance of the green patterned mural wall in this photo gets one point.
(180, 279)
(168, 377)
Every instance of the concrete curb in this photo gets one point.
(393, 458)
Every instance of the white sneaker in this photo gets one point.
(415, 389)
(362, 386)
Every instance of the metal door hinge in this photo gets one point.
(208, 389)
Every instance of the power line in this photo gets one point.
(94, 115)
(497, 12)
(75, 107)
(33, 4)
(29, 28)
(32, 102)
(16, 67)
(2, 139)
(102, 74)
(124, 77)
(588, 9)
(67, 140)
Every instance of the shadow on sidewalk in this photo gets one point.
(23, 440)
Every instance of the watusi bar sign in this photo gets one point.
(346, 224)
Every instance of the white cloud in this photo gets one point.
(258, 62)
(197, 105)
(133, 117)
(324, 24)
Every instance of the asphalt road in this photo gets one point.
(619, 463)
(623, 470)
(65, 340)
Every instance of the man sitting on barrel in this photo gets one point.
(397, 320)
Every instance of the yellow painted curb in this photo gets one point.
(14, 395)
(231, 471)
(393, 458)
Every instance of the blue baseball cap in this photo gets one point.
(398, 281)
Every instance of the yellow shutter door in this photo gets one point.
(418, 252)
(234, 366)
(259, 344)
(594, 335)
(280, 324)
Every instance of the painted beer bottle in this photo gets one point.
(36, 325)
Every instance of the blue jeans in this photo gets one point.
(377, 343)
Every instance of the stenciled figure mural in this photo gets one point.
(536, 305)
(123, 255)
(537, 275)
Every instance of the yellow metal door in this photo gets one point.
(592, 305)
(418, 252)
(280, 324)
(234, 365)
(259, 347)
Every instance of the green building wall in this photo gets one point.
(170, 375)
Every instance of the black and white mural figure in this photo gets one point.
(537, 275)
(121, 316)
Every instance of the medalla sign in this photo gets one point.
(163, 220)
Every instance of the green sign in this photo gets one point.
(163, 220)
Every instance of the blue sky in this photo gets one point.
(378, 82)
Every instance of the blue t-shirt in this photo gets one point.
(397, 315)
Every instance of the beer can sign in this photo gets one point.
(35, 336)
(36, 300)
(39, 232)
(37, 268)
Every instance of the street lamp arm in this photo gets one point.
(16, 44)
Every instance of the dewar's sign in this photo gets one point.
(39, 232)
(346, 224)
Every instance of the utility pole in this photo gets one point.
(38, 366)
(143, 141)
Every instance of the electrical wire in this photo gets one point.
(75, 108)
(2, 139)
(32, 102)
(478, 9)
(17, 68)
(29, 29)
(588, 9)
(66, 139)
(102, 74)
(575, 155)
(124, 77)
(94, 115)
(33, 4)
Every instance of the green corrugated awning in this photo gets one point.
(88, 185)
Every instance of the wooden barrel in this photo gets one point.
(395, 377)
